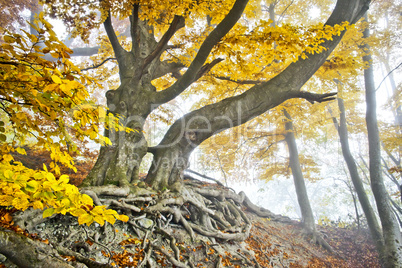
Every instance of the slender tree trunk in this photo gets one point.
(391, 232)
(372, 222)
(301, 191)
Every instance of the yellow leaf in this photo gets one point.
(63, 179)
(8, 158)
(99, 220)
(85, 219)
(124, 218)
(37, 205)
(87, 200)
(21, 151)
(8, 174)
(78, 212)
(56, 79)
(9, 39)
(98, 210)
(110, 219)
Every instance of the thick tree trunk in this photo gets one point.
(372, 222)
(119, 163)
(391, 232)
(301, 191)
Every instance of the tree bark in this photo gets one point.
(391, 232)
(372, 222)
(301, 191)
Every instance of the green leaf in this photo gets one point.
(32, 186)
(48, 212)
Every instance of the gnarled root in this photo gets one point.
(208, 217)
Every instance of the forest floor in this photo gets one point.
(274, 243)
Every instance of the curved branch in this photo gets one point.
(98, 65)
(237, 110)
(177, 23)
(212, 39)
(117, 48)
(314, 97)
(134, 30)
(195, 127)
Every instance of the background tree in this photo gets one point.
(391, 232)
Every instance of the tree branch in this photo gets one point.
(98, 65)
(134, 29)
(230, 112)
(314, 97)
(177, 23)
(212, 39)
(241, 82)
(117, 48)
(85, 51)
(206, 68)
(166, 67)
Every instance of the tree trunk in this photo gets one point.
(372, 222)
(301, 191)
(391, 233)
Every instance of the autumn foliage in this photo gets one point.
(45, 101)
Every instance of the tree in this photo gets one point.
(159, 53)
(391, 232)
(301, 191)
(357, 182)
(123, 159)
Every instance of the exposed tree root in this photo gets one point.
(210, 215)
(24, 252)
(317, 238)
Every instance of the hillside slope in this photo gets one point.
(272, 243)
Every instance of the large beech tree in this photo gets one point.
(137, 97)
